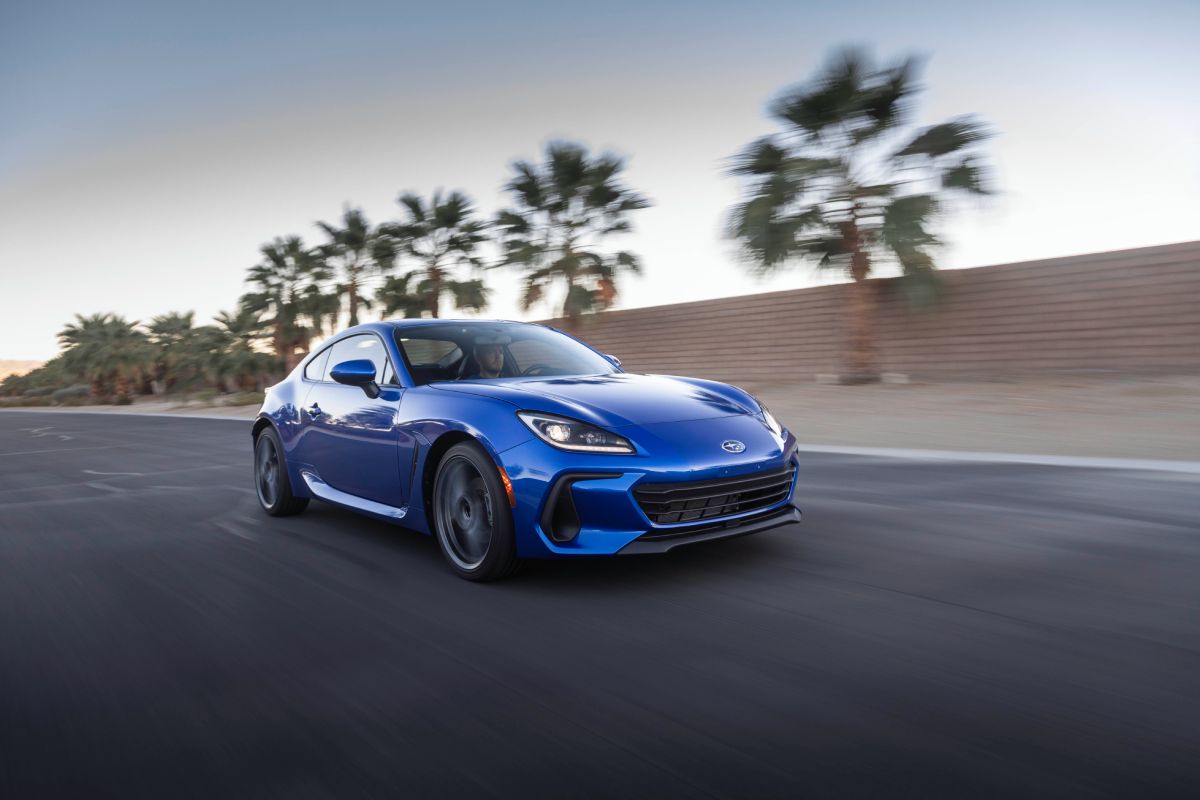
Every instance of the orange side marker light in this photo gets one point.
(512, 498)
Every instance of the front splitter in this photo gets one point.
(664, 542)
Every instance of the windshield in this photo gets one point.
(489, 351)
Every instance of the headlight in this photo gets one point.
(571, 434)
(768, 418)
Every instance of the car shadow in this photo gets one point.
(714, 559)
(382, 547)
(367, 542)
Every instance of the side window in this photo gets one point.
(365, 345)
(315, 370)
(389, 376)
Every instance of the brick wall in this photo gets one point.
(1128, 311)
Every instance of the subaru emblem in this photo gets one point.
(732, 446)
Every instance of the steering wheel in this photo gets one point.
(537, 369)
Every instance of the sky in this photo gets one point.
(147, 150)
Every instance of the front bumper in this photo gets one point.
(602, 515)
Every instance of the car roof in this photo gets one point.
(418, 323)
(383, 327)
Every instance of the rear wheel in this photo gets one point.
(271, 481)
(471, 515)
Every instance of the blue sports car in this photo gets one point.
(510, 440)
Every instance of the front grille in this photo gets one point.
(666, 503)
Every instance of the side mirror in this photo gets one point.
(360, 372)
(616, 362)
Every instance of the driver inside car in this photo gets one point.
(490, 358)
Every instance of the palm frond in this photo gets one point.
(905, 231)
(831, 100)
(884, 103)
(966, 176)
(948, 137)
(469, 295)
(412, 204)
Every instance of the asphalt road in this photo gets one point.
(932, 629)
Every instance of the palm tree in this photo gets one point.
(284, 282)
(239, 359)
(849, 182)
(170, 334)
(442, 236)
(563, 209)
(242, 326)
(320, 308)
(107, 350)
(203, 359)
(356, 251)
(83, 343)
(399, 293)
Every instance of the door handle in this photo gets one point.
(314, 411)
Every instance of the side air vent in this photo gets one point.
(560, 520)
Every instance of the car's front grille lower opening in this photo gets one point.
(687, 531)
(694, 501)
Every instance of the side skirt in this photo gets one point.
(323, 491)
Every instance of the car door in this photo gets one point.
(352, 441)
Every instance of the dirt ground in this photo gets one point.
(1152, 418)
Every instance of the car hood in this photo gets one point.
(615, 400)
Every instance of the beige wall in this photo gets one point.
(1129, 311)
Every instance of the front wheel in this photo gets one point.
(471, 515)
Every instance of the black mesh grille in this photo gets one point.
(666, 503)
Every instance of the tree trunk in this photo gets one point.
(300, 343)
(861, 364)
(122, 386)
(570, 314)
(435, 290)
(352, 291)
(293, 358)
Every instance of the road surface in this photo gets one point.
(932, 629)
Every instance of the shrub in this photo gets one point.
(22, 402)
(244, 399)
(75, 395)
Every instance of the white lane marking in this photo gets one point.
(1156, 465)
(250, 415)
(105, 487)
(50, 486)
(64, 450)
(37, 432)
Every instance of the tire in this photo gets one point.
(271, 482)
(471, 515)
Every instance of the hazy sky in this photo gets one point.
(147, 150)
